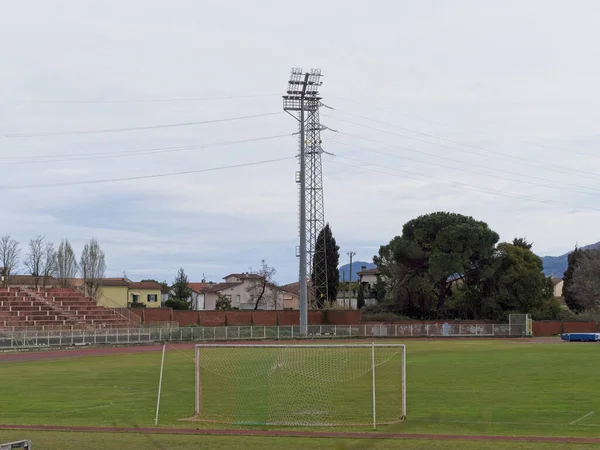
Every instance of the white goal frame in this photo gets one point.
(25, 445)
(372, 346)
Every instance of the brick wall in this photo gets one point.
(186, 318)
(239, 318)
(549, 328)
(212, 318)
(342, 317)
(264, 318)
(157, 315)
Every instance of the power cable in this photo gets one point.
(161, 100)
(141, 177)
(151, 127)
(465, 185)
(125, 153)
(455, 160)
(558, 187)
(524, 161)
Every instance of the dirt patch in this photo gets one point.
(315, 434)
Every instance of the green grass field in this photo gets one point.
(454, 387)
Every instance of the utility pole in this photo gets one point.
(303, 98)
(351, 254)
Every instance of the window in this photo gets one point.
(152, 297)
(135, 298)
(237, 298)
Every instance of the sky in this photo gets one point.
(487, 109)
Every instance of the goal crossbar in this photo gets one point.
(301, 372)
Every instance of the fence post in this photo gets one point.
(459, 329)
(350, 330)
(225, 332)
(251, 333)
(335, 330)
(277, 331)
(427, 330)
(292, 331)
(264, 331)
(493, 330)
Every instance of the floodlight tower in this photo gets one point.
(302, 102)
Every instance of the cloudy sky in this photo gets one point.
(489, 109)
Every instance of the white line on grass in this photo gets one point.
(483, 422)
(581, 418)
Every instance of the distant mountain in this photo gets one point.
(557, 265)
(356, 267)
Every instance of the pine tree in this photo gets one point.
(181, 287)
(327, 252)
(570, 300)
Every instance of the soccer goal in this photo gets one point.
(301, 385)
(520, 325)
(25, 445)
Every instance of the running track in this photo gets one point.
(59, 354)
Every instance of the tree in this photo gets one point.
(327, 253)
(570, 298)
(360, 299)
(66, 267)
(523, 243)
(49, 262)
(93, 267)
(585, 284)
(9, 256)
(163, 284)
(223, 303)
(262, 286)
(435, 252)
(181, 289)
(520, 283)
(34, 261)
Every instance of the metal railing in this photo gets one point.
(61, 338)
(125, 313)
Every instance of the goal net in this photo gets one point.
(520, 325)
(301, 385)
(24, 445)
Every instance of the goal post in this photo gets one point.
(300, 384)
(520, 325)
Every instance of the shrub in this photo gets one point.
(177, 304)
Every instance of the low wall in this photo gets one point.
(551, 327)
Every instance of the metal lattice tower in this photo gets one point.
(303, 99)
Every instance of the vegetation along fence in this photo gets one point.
(68, 338)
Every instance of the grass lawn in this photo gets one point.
(454, 387)
(121, 441)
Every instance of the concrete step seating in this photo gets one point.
(55, 308)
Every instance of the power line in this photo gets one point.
(125, 153)
(465, 185)
(460, 161)
(141, 177)
(558, 187)
(151, 127)
(524, 161)
(160, 100)
(455, 142)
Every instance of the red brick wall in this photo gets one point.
(314, 318)
(288, 317)
(343, 317)
(212, 318)
(185, 318)
(549, 328)
(265, 318)
(239, 318)
(157, 315)
(138, 312)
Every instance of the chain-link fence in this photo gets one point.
(71, 338)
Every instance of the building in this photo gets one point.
(242, 290)
(291, 295)
(557, 286)
(367, 279)
(123, 293)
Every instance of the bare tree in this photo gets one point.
(49, 262)
(93, 267)
(35, 259)
(66, 266)
(585, 285)
(262, 286)
(9, 256)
